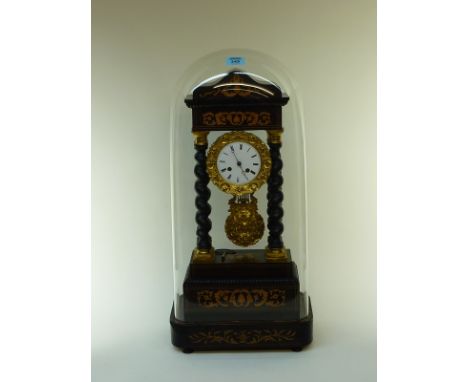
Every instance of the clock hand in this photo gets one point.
(235, 156)
(239, 163)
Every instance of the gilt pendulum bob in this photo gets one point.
(240, 298)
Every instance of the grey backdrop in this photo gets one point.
(139, 50)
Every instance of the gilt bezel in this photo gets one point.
(223, 184)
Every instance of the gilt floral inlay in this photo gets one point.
(239, 337)
(241, 298)
(236, 118)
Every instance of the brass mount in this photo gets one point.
(276, 255)
(200, 138)
(203, 255)
(274, 136)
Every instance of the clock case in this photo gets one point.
(234, 298)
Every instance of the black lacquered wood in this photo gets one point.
(242, 264)
(234, 298)
(237, 101)
(243, 335)
(242, 285)
(275, 199)
(202, 198)
(236, 88)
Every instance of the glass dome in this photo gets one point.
(238, 206)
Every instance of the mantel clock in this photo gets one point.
(240, 297)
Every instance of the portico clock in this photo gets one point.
(245, 296)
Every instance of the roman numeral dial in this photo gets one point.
(239, 162)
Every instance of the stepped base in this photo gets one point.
(242, 335)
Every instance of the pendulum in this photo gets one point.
(244, 226)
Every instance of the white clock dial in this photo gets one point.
(239, 163)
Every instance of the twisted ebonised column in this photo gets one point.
(201, 201)
(275, 198)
